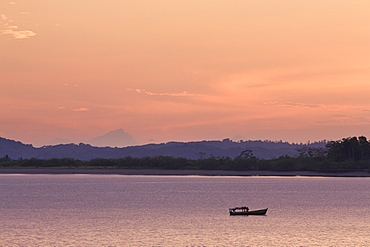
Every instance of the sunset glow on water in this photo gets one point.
(118, 210)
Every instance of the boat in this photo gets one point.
(245, 211)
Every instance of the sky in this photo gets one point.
(166, 70)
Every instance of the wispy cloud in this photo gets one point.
(293, 104)
(7, 28)
(81, 109)
(182, 94)
(17, 34)
(73, 109)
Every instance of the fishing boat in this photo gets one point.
(245, 211)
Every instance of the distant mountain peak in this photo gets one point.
(115, 138)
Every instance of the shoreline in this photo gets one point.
(155, 172)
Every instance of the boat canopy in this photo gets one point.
(236, 208)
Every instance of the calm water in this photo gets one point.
(110, 210)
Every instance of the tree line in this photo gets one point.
(347, 154)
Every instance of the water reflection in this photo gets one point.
(106, 210)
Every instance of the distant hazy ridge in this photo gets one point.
(190, 150)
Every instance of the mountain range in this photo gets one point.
(190, 150)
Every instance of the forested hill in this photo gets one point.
(189, 150)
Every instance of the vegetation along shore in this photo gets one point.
(346, 157)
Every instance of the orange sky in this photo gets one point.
(184, 70)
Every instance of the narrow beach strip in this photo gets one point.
(180, 172)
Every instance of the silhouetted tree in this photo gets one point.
(350, 148)
(246, 154)
(311, 152)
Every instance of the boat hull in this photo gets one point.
(254, 212)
